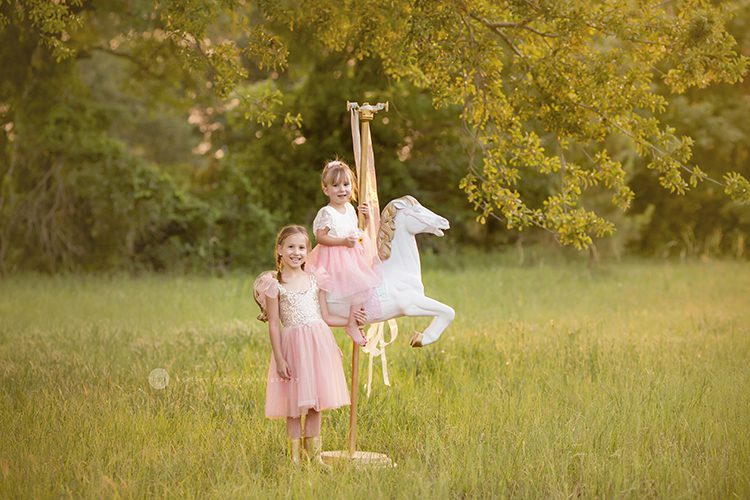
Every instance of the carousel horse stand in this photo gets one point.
(401, 292)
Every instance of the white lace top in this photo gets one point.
(339, 225)
(299, 308)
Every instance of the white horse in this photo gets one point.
(401, 292)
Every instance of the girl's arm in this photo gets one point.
(272, 310)
(321, 235)
(332, 320)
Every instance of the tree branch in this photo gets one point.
(654, 148)
(498, 31)
(597, 27)
(129, 57)
(522, 25)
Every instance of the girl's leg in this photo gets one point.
(312, 424)
(294, 427)
(353, 329)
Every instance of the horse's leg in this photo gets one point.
(443, 316)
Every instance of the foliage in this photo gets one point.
(705, 222)
(79, 184)
(543, 89)
(581, 71)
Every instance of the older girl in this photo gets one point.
(305, 375)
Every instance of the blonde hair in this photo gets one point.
(334, 171)
(285, 233)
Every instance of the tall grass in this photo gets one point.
(554, 381)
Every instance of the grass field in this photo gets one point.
(554, 381)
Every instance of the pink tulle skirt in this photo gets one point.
(318, 380)
(352, 278)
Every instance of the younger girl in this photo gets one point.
(305, 374)
(340, 251)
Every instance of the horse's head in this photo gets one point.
(418, 219)
(408, 213)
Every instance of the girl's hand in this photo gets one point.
(360, 316)
(283, 369)
(350, 241)
(364, 209)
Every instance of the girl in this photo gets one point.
(340, 251)
(305, 375)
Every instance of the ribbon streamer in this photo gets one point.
(376, 345)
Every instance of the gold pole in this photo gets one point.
(360, 458)
(365, 116)
(355, 396)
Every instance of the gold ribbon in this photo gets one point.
(376, 345)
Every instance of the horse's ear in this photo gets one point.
(403, 202)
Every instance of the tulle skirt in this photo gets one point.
(352, 277)
(317, 381)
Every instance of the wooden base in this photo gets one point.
(368, 459)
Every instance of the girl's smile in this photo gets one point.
(339, 193)
(293, 251)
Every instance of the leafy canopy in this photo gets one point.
(538, 82)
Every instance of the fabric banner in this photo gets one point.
(369, 191)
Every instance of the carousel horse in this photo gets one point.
(401, 292)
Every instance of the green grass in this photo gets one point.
(554, 381)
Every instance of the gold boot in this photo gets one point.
(416, 340)
(314, 446)
(295, 445)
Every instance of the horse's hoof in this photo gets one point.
(416, 340)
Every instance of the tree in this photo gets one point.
(542, 86)
(71, 190)
(703, 222)
(539, 80)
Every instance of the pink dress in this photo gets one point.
(309, 349)
(353, 279)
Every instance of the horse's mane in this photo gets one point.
(388, 225)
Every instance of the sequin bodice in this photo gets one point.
(299, 308)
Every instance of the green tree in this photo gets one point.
(79, 186)
(704, 222)
(543, 88)
(580, 71)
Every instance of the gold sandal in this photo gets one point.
(295, 445)
(314, 446)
